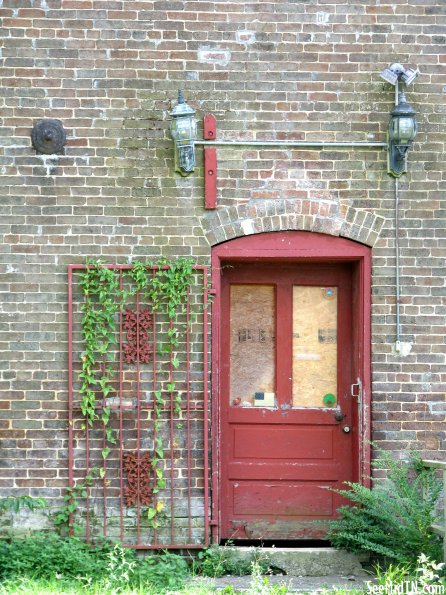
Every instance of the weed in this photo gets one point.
(428, 572)
(393, 573)
(259, 584)
(163, 572)
(218, 561)
(104, 568)
(14, 503)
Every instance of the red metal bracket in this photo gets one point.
(210, 163)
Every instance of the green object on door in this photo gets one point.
(329, 400)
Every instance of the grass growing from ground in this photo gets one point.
(54, 586)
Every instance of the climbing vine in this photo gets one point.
(166, 286)
(102, 300)
(64, 518)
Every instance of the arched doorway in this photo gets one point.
(291, 377)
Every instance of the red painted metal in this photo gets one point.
(138, 424)
(70, 383)
(121, 451)
(210, 163)
(155, 434)
(188, 447)
(210, 177)
(283, 249)
(134, 466)
(209, 127)
(131, 326)
(205, 409)
(121, 497)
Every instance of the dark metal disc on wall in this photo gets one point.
(48, 136)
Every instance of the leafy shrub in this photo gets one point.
(14, 503)
(106, 566)
(45, 555)
(165, 571)
(394, 519)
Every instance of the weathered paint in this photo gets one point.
(277, 494)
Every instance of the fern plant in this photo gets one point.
(394, 519)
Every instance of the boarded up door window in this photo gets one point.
(314, 346)
(252, 346)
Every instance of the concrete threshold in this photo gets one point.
(302, 562)
(302, 570)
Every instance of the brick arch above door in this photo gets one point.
(320, 216)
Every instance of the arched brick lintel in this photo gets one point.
(320, 216)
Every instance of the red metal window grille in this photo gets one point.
(156, 431)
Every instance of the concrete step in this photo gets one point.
(310, 561)
(294, 584)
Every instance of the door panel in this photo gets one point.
(278, 442)
(290, 499)
(285, 380)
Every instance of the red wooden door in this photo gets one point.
(287, 420)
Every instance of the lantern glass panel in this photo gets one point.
(183, 129)
(406, 130)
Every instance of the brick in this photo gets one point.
(276, 71)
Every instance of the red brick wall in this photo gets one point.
(295, 70)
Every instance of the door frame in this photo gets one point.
(298, 247)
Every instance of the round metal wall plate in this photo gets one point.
(48, 136)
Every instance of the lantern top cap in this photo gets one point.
(403, 108)
(182, 109)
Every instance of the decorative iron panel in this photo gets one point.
(148, 461)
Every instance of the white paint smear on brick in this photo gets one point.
(248, 226)
(245, 36)
(214, 56)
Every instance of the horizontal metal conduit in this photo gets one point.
(298, 143)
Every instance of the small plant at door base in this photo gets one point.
(217, 561)
(395, 518)
(429, 573)
(423, 578)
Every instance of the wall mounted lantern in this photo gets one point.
(402, 131)
(183, 129)
(402, 124)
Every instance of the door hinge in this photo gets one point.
(212, 291)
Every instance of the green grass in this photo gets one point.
(54, 586)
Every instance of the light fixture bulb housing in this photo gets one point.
(409, 76)
(401, 133)
(389, 76)
(183, 129)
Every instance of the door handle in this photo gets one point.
(338, 414)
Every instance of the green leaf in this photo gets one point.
(105, 452)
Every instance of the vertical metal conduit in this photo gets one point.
(397, 267)
(397, 252)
